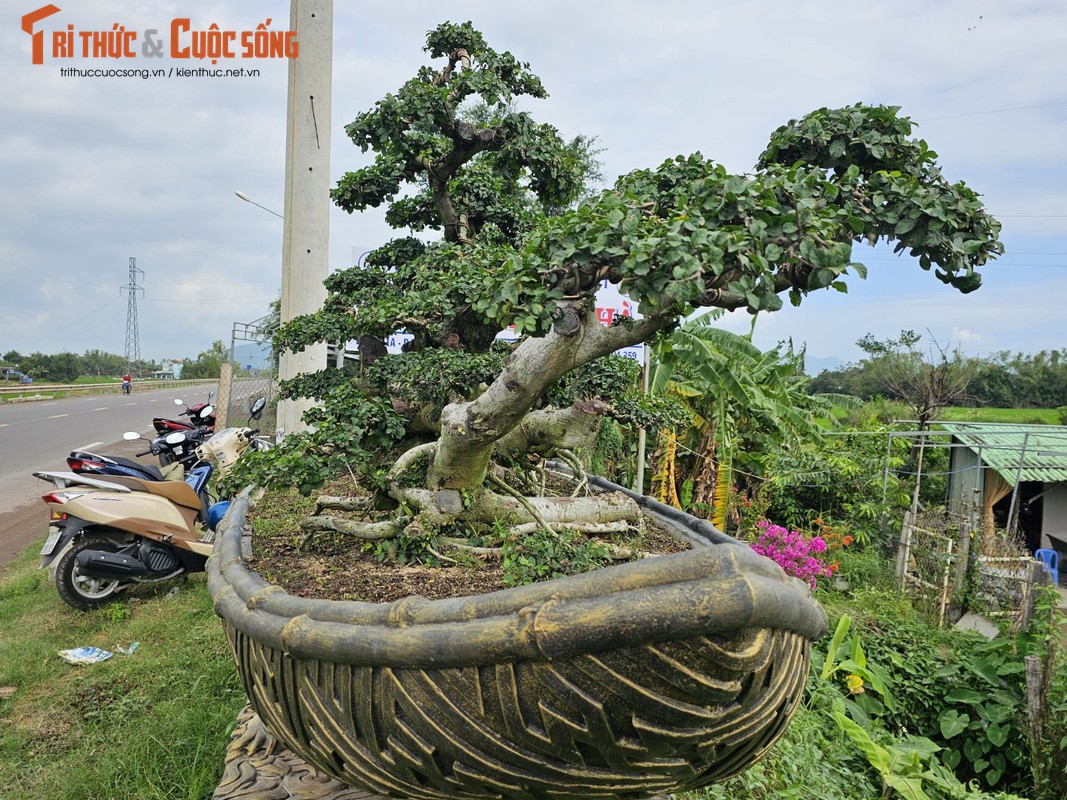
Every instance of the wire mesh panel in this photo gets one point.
(928, 568)
(254, 375)
(1003, 587)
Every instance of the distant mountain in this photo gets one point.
(813, 366)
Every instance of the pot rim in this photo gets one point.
(719, 587)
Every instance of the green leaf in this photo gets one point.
(974, 749)
(835, 644)
(904, 226)
(909, 788)
(967, 696)
(952, 723)
(998, 734)
(986, 668)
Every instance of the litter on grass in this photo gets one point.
(127, 651)
(84, 655)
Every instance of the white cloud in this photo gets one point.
(98, 170)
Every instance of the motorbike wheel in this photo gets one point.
(79, 591)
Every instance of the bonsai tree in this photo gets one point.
(515, 249)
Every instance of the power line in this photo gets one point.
(994, 111)
(243, 301)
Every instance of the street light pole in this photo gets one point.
(248, 199)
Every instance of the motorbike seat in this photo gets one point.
(178, 492)
(128, 462)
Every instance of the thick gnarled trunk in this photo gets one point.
(469, 431)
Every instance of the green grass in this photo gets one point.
(149, 726)
(1018, 416)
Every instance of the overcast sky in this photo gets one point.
(96, 170)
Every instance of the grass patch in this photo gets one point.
(150, 725)
(1017, 416)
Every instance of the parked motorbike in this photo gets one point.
(200, 417)
(201, 414)
(85, 463)
(175, 450)
(109, 533)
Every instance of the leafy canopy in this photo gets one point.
(521, 244)
(452, 154)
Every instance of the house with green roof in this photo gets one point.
(1011, 477)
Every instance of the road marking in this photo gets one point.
(89, 446)
(4, 424)
(57, 416)
(131, 404)
(102, 408)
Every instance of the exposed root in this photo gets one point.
(404, 462)
(343, 504)
(588, 528)
(627, 553)
(370, 531)
(524, 502)
(461, 544)
(436, 554)
(572, 461)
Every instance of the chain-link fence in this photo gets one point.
(250, 375)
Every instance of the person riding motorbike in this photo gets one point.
(127, 383)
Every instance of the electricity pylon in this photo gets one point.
(133, 336)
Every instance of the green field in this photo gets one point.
(1017, 416)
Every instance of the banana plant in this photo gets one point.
(739, 397)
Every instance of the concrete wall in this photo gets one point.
(1054, 516)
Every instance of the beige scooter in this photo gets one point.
(108, 534)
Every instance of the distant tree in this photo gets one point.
(926, 385)
(857, 380)
(64, 367)
(208, 364)
(97, 362)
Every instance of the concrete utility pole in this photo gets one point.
(306, 236)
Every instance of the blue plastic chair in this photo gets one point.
(1051, 560)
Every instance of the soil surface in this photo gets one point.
(337, 567)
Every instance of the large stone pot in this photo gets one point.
(650, 677)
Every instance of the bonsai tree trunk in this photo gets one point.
(470, 430)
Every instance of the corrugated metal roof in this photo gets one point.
(1024, 452)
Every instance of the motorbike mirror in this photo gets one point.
(178, 402)
(175, 438)
(207, 411)
(257, 408)
(129, 436)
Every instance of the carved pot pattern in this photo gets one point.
(641, 679)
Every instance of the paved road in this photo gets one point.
(39, 435)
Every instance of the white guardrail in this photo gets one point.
(27, 392)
